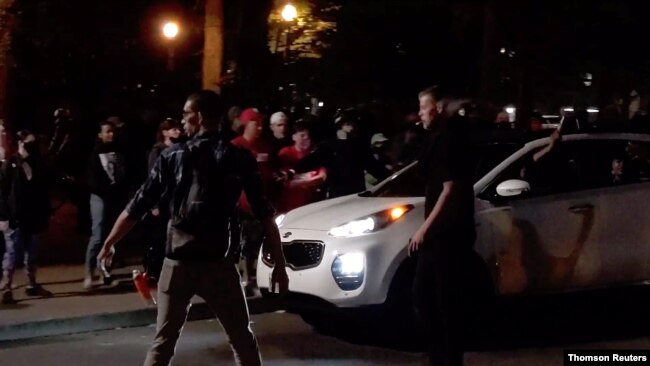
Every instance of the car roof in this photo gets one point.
(591, 136)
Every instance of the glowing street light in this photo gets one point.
(170, 30)
(289, 13)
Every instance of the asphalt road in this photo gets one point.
(284, 339)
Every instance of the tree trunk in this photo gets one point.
(213, 44)
(6, 27)
(486, 67)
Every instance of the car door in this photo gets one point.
(624, 192)
(539, 238)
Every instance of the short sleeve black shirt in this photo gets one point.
(447, 158)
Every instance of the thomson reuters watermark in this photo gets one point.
(606, 357)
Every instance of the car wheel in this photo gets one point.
(397, 312)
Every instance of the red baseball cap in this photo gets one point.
(250, 114)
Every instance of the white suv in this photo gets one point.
(578, 220)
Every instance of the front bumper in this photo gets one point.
(318, 281)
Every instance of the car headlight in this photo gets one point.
(370, 224)
(279, 219)
(348, 270)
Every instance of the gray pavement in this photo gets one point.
(73, 310)
(284, 340)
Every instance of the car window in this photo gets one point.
(616, 162)
(487, 156)
(579, 165)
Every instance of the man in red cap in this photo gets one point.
(251, 229)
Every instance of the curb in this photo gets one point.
(109, 321)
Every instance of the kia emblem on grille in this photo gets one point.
(287, 234)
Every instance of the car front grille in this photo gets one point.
(303, 254)
(300, 254)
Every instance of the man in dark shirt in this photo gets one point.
(24, 212)
(346, 158)
(107, 180)
(204, 178)
(444, 241)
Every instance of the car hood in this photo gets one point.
(327, 214)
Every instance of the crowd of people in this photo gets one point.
(301, 160)
(221, 177)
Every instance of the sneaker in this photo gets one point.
(37, 290)
(8, 297)
(88, 283)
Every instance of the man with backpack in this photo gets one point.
(203, 179)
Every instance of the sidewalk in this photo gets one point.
(73, 310)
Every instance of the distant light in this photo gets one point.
(170, 30)
(568, 109)
(289, 13)
(321, 104)
(588, 83)
(503, 50)
(307, 108)
(512, 113)
(589, 76)
(550, 116)
(139, 86)
(511, 54)
(280, 88)
(593, 110)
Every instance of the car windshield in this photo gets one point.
(409, 183)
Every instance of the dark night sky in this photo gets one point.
(93, 54)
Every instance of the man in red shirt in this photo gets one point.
(251, 229)
(251, 139)
(303, 188)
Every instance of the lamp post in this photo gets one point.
(170, 31)
(289, 14)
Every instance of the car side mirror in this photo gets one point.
(513, 187)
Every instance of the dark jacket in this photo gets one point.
(346, 162)
(107, 172)
(175, 174)
(24, 202)
(155, 152)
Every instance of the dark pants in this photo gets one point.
(447, 293)
(104, 213)
(219, 285)
(19, 242)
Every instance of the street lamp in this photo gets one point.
(170, 31)
(289, 14)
